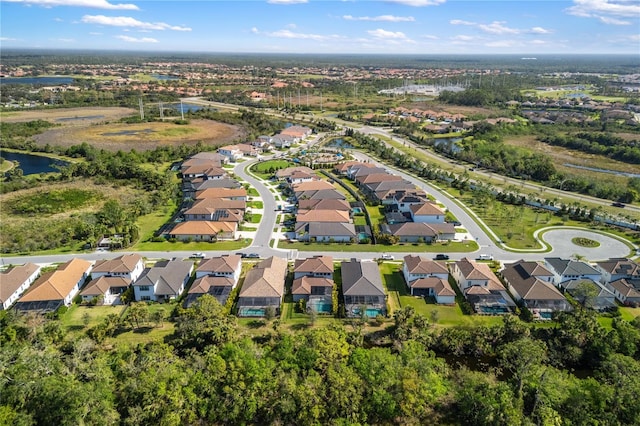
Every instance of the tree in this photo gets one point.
(523, 358)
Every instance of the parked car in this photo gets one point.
(441, 257)
(387, 257)
(253, 256)
(198, 255)
(485, 257)
(617, 204)
(242, 255)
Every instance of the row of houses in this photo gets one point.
(409, 213)
(215, 202)
(322, 212)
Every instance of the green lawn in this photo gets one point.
(252, 192)
(150, 223)
(266, 169)
(399, 297)
(255, 218)
(193, 246)
(255, 204)
(445, 247)
(73, 320)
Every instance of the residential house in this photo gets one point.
(197, 230)
(565, 270)
(337, 232)
(232, 152)
(362, 288)
(427, 213)
(15, 281)
(416, 267)
(217, 286)
(618, 268)
(248, 150)
(532, 284)
(107, 289)
(283, 141)
(284, 174)
(481, 287)
(316, 266)
(377, 191)
(230, 194)
(323, 204)
(263, 288)
(316, 291)
(56, 288)
(412, 232)
(228, 265)
(311, 186)
(374, 178)
(345, 167)
(627, 291)
(299, 132)
(127, 266)
(323, 216)
(590, 293)
(166, 280)
(320, 194)
(215, 208)
(365, 169)
(402, 200)
(426, 277)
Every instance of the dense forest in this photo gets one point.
(212, 371)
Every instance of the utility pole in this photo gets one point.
(141, 109)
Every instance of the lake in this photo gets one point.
(46, 81)
(33, 164)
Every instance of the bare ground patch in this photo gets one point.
(69, 116)
(142, 136)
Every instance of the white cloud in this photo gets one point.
(539, 30)
(613, 21)
(417, 3)
(287, 1)
(462, 38)
(501, 43)
(385, 18)
(58, 19)
(96, 4)
(387, 35)
(538, 42)
(293, 35)
(8, 39)
(136, 40)
(126, 21)
(598, 8)
(430, 37)
(461, 22)
(497, 27)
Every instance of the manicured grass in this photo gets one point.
(376, 214)
(255, 218)
(585, 242)
(195, 246)
(143, 335)
(5, 166)
(266, 169)
(255, 204)
(252, 192)
(73, 320)
(463, 247)
(359, 220)
(399, 297)
(150, 223)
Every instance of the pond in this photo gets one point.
(339, 143)
(188, 107)
(33, 164)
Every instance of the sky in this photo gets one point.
(326, 26)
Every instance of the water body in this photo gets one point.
(339, 143)
(33, 164)
(593, 169)
(448, 144)
(187, 107)
(45, 81)
(164, 77)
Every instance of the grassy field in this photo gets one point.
(192, 246)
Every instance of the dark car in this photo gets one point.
(242, 255)
(441, 257)
(253, 256)
(617, 204)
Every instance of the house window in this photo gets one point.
(144, 288)
(145, 298)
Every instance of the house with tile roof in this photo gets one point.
(618, 268)
(330, 232)
(166, 280)
(128, 266)
(106, 289)
(228, 193)
(263, 288)
(532, 284)
(232, 152)
(426, 277)
(415, 267)
(427, 213)
(217, 286)
(626, 291)
(316, 266)
(228, 265)
(323, 204)
(320, 194)
(481, 287)
(56, 288)
(316, 291)
(15, 281)
(196, 230)
(362, 288)
(412, 232)
(566, 270)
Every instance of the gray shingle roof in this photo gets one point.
(361, 278)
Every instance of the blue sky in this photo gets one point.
(325, 26)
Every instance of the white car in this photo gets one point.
(198, 255)
(387, 257)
